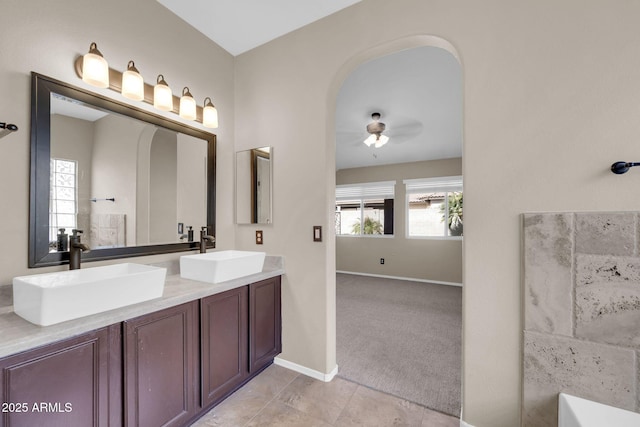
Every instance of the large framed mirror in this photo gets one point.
(254, 186)
(133, 181)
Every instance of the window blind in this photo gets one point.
(433, 185)
(369, 190)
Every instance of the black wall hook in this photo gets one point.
(623, 167)
(7, 128)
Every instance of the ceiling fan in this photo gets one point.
(375, 129)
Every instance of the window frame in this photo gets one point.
(53, 229)
(364, 192)
(443, 184)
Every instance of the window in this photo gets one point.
(434, 207)
(63, 205)
(365, 209)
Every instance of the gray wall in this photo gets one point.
(581, 311)
(425, 259)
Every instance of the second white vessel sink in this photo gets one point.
(216, 267)
(49, 298)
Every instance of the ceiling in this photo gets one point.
(241, 25)
(418, 92)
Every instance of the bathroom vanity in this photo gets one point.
(162, 362)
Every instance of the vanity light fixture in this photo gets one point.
(187, 105)
(95, 69)
(132, 83)
(209, 114)
(162, 96)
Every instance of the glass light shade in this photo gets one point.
(162, 95)
(381, 141)
(370, 140)
(132, 83)
(187, 105)
(95, 69)
(209, 114)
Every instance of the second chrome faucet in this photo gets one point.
(204, 238)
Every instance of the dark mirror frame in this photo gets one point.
(41, 89)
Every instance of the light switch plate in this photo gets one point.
(317, 233)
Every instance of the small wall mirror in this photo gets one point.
(131, 180)
(254, 186)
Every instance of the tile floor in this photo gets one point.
(284, 398)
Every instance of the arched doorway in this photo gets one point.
(363, 251)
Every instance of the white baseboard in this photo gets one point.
(411, 279)
(306, 371)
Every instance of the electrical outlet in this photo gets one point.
(381, 260)
(258, 237)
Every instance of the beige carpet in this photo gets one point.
(401, 337)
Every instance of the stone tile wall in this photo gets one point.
(581, 311)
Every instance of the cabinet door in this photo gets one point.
(264, 323)
(224, 323)
(161, 367)
(72, 383)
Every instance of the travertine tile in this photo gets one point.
(608, 299)
(281, 415)
(271, 381)
(237, 410)
(548, 273)
(321, 400)
(372, 408)
(437, 419)
(552, 364)
(606, 233)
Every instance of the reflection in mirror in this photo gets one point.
(133, 181)
(96, 156)
(254, 177)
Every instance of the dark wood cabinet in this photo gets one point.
(161, 367)
(76, 382)
(224, 335)
(265, 324)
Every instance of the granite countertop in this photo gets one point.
(19, 335)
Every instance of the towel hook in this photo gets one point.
(7, 128)
(623, 167)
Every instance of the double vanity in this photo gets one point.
(164, 361)
(131, 344)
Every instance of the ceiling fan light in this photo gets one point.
(370, 140)
(383, 139)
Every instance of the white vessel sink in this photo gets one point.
(216, 267)
(45, 299)
(577, 412)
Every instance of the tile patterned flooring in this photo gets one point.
(284, 398)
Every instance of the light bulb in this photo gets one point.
(162, 95)
(132, 83)
(187, 105)
(95, 69)
(209, 114)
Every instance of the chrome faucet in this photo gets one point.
(204, 238)
(76, 247)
